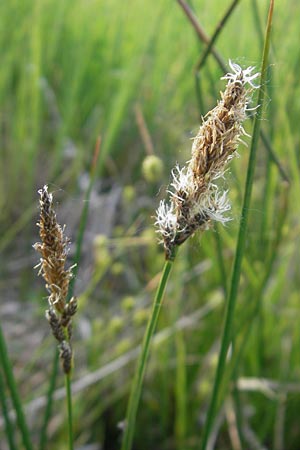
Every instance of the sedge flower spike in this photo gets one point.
(54, 250)
(195, 200)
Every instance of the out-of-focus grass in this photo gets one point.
(72, 70)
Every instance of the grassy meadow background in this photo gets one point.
(72, 71)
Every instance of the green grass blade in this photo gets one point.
(9, 430)
(136, 387)
(230, 306)
(10, 380)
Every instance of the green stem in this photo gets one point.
(9, 431)
(10, 380)
(69, 407)
(48, 409)
(136, 387)
(220, 259)
(230, 306)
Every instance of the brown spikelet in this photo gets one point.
(54, 250)
(55, 324)
(195, 199)
(65, 353)
(218, 137)
(69, 311)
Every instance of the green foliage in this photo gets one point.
(73, 70)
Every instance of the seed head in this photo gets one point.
(194, 198)
(54, 250)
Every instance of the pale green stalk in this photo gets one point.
(139, 374)
(49, 404)
(68, 384)
(230, 306)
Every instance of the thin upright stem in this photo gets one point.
(137, 383)
(69, 408)
(230, 306)
(48, 409)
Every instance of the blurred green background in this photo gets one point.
(72, 71)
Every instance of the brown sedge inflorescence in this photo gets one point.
(54, 250)
(195, 200)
